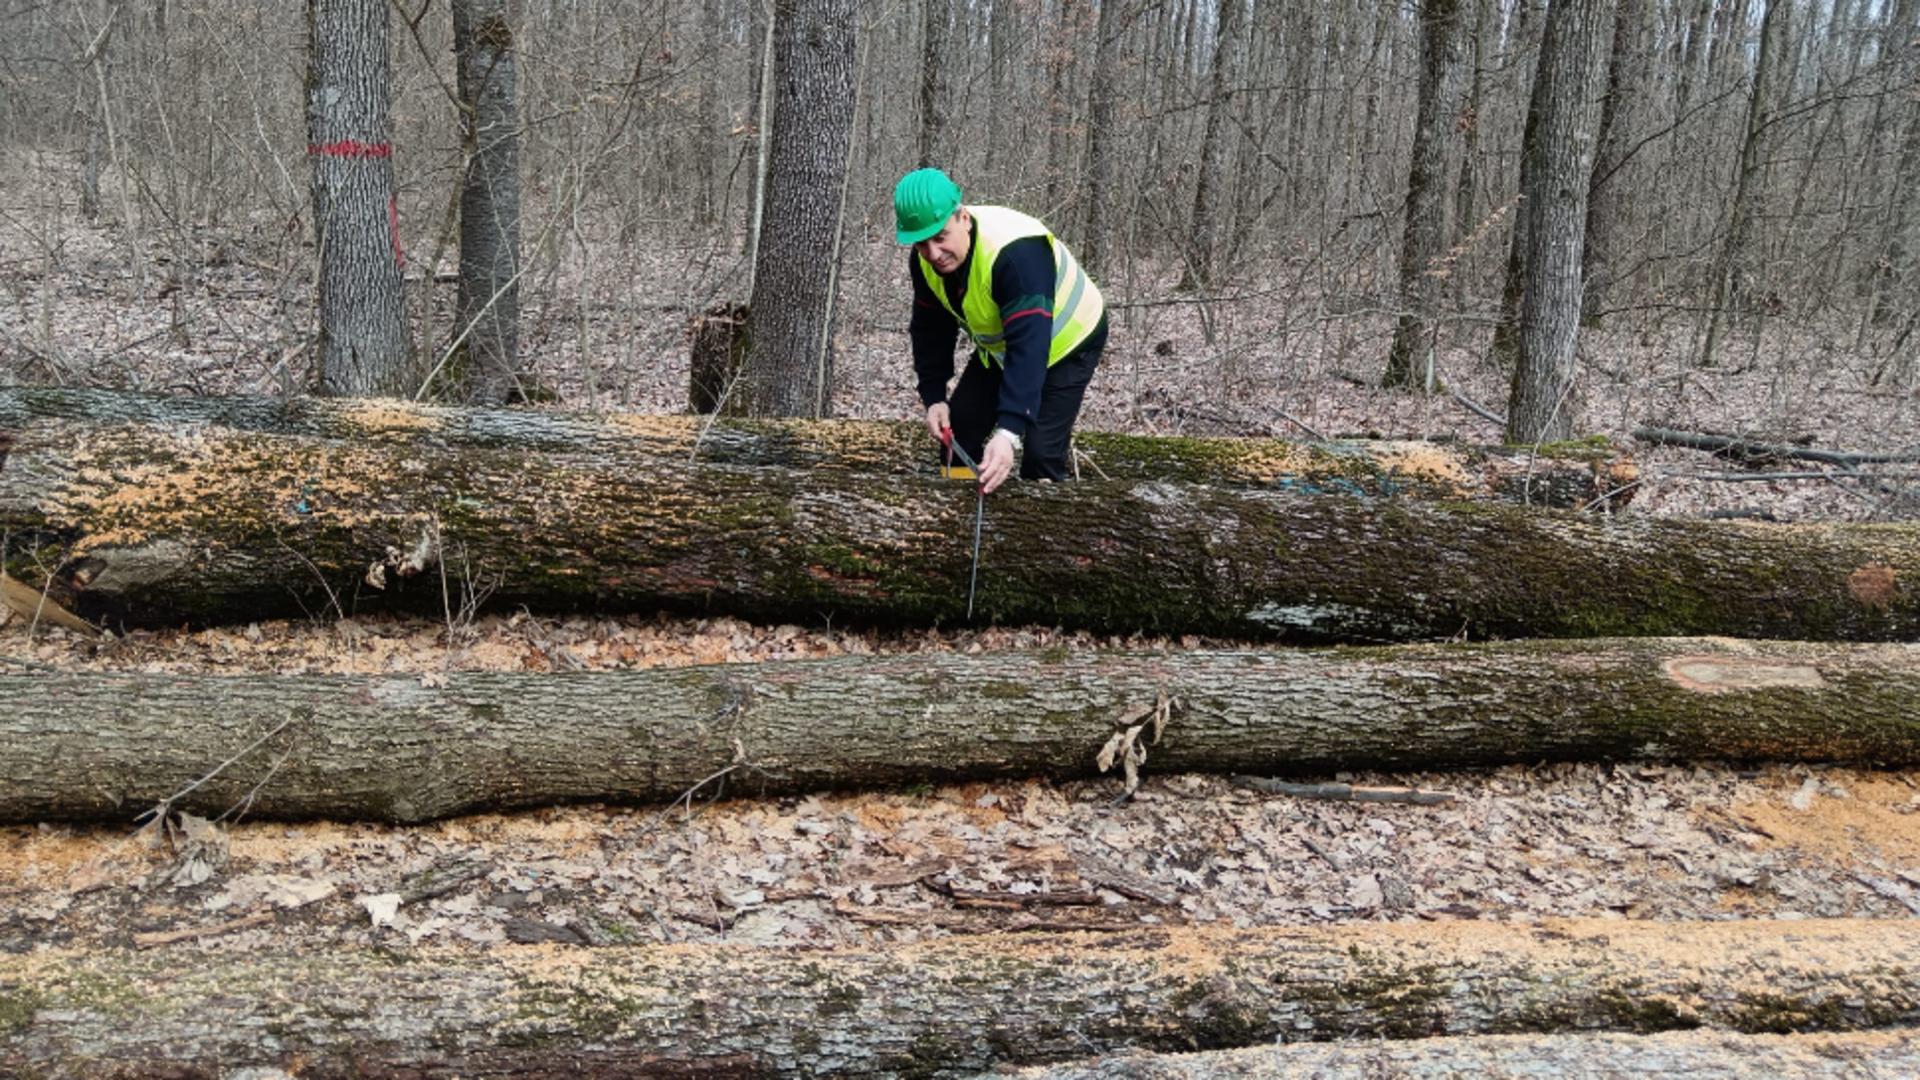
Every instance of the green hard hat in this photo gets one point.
(923, 200)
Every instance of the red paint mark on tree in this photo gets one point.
(351, 148)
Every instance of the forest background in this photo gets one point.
(1250, 181)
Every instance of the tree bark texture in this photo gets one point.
(147, 525)
(1608, 205)
(1896, 295)
(1104, 180)
(935, 61)
(1572, 475)
(1731, 292)
(1695, 1055)
(487, 314)
(1544, 404)
(1213, 188)
(944, 1008)
(363, 339)
(789, 315)
(1423, 242)
(405, 748)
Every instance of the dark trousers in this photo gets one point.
(975, 405)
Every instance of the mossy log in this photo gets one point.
(1692, 1055)
(937, 1009)
(147, 524)
(408, 748)
(1578, 474)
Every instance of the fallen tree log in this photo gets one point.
(162, 524)
(942, 1008)
(1575, 474)
(409, 748)
(1675, 1054)
(1749, 450)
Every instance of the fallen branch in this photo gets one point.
(1345, 792)
(1750, 450)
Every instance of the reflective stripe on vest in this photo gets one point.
(1077, 303)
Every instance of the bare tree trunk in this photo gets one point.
(1002, 31)
(1543, 404)
(363, 337)
(1505, 348)
(1607, 204)
(486, 320)
(1423, 242)
(790, 315)
(1104, 174)
(388, 748)
(1063, 197)
(936, 59)
(940, 1008)
(1466, 200)
(1730, 287)
(1896, 292)
(1212, 192)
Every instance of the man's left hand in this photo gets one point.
(996, 462)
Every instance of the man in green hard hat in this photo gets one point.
(1036, 320)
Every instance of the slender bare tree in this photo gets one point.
(1606, 205)
(1731, 271)
(1212, 189)
(1104, 146)
(363, 339)
(1543, 405)
(487, 313)
(1424, 237)
(935, 65)
(1900, 273)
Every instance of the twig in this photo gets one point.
(1301, 424)
(161, 809)
(1477, 408)
(1345, 792)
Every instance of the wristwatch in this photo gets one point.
(1015, 439)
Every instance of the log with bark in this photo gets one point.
(409, 748)
(1675, 1054)
(1578, 474)
(935, 1009)
(145, 524)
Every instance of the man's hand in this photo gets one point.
(996, 462)
(938, 421)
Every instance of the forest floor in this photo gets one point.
(1628, 841)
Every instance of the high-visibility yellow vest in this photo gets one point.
(1077, 304)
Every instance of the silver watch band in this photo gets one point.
(1017, 441)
